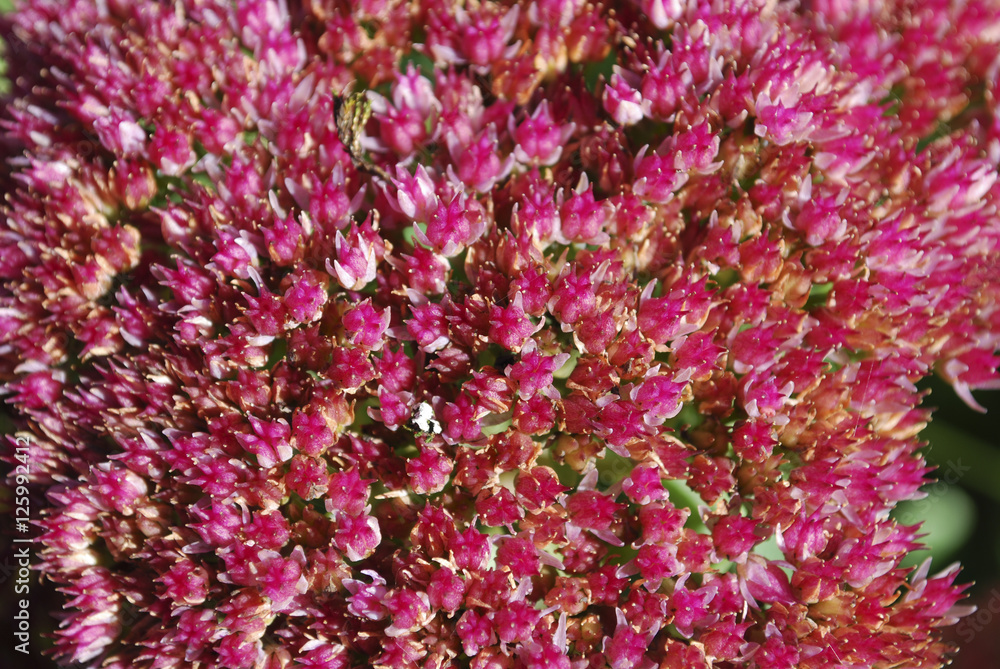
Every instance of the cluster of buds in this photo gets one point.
(559, 334)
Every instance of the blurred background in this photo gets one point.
(961, 513)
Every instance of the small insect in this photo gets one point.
(423, 419)
(352, 112)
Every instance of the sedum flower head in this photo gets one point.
(494, 335)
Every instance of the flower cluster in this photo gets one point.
(558, 334)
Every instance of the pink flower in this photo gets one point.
(424, 271)
(533, 373)
(477, 164)
(428, 327)
(170, 151)
(657, 177)
(509, 326)
(456, 223)
(539, 139)
(365, 326)
(415, 197)
(780, 123)
(355, 263)
(627, 647)
(622, 101)
(357, 536)
(474, 631)
(583, 219)
(269, 441)
(491, 334)
(446, 590)
(515, 622)
(429, 471)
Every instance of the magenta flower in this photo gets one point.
(495, 335)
